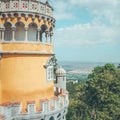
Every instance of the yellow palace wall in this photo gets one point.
(0, 91)
(26, 47)
(23, 76)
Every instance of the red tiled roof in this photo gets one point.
(2, 116)
(55, 98)
(44, 100)
(16, 103)
(38, 110)
(24, 111)
(6, 104)
(62, 95)
(30, 102)
(52, 107)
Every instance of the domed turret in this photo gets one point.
(60, 72)
(60, 80)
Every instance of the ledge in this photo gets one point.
(26, 48)
(27, 52)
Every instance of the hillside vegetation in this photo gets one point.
(98, 98)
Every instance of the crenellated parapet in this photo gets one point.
(55, 107)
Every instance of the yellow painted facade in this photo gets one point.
(23, 76)
(26, 47)
(22, 65)
(0, 91)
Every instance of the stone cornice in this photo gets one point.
(27, 52)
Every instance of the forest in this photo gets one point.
(98, 98)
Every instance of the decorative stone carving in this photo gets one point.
(27, 6)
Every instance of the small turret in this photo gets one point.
(60, 72)
(61, 79)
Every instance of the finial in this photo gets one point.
(47, 3)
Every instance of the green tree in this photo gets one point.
(118, 66)
(99, 97)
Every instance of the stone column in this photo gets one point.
(26, 34)
(3, 31)
(13, 33)
(64, 117)
(46, 35)
(38, 35)
(51, 34)
(0, 34)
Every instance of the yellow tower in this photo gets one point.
(26, 64)
(26, 49)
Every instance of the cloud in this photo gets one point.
(61, 11)
(104, 10)
(86, 34)
(102, 29)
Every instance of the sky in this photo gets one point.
(87, 30)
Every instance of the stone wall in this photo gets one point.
(53, 109)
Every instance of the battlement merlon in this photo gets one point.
(56, 105)
(27, 7)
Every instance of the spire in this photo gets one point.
(47, 3)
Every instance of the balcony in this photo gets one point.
(27, 6)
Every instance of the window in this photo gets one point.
(50, 70)
(8, 31)
(32, 32)
(50, 73)
(51, 118)
(20, 31)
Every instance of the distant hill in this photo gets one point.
(76, 70)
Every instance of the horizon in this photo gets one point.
(78, 61)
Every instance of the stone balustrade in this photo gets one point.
(29, 6)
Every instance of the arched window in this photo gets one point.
(0, 34)
(32, 32)
(8, 32)
(50, 70)
(43, 33)
(59, 116)
(51, 29)
(19, 31)
(51, 118)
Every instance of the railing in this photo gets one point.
(26, 5)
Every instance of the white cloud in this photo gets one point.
(61, 10)
(104, 10)
(103, 29)
(86, 34)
